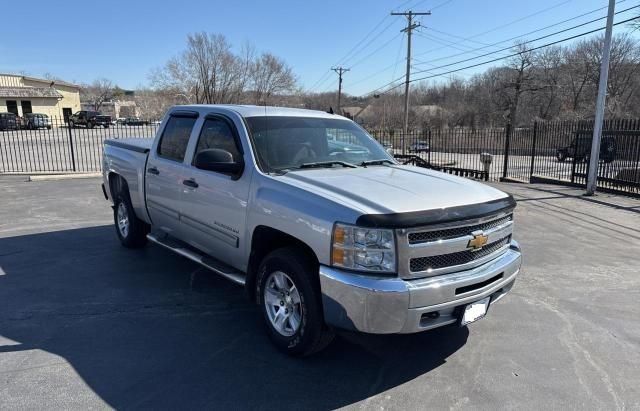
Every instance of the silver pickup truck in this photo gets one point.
(323, 228)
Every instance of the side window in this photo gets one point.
(217, 133)
(175, 137)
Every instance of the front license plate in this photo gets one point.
(475, 311)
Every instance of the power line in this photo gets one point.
(394, 81)
(323, 79)
(512, 38)
(447, 43)
(529, 41)
(514, 54)
(375, 51)
(387, 68)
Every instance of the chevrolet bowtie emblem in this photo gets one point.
(478, 241)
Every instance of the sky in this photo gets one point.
(125, 40)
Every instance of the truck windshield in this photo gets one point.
(286, 143)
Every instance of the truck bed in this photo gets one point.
(140, 145)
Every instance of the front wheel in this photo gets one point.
(290, 301)
(561, 156)
(131, 231)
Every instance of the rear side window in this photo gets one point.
(175, 138)
(216, 133)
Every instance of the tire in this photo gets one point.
(132, 232)
(90, 124)
(300, 279)
(106, 126)
(72, 124)
(561, 156)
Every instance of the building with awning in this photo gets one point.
(21, 95)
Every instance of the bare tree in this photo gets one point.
(548, 67)
(209, 72)
(270, 75)
(518, 78)
(206, 72)
(99, 92)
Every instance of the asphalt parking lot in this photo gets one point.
(85, 323)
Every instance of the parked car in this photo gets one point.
(135, 121)
(319, 241)
(580, 148)
(37, 120)
(352, 153)
(89, 119)
(8, 121)
(419, 147)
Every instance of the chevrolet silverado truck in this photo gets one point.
(323, 236)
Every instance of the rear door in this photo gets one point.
(165, 170)
(215, 204)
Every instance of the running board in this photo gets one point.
(208, 262)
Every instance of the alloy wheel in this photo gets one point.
(282, 302)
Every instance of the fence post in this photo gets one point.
(533, 148)
(506, 150)
(430, 148)
(73, 156)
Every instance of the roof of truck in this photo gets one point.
(256, 111)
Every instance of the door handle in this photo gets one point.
(190, 183)
(153, 170)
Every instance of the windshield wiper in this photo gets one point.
(327, 164)
(376, 162)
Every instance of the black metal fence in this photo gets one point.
(52, 146)
(559, 152)
(555, 152)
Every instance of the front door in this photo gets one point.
(66, 113)
(215, 207)
(165, 170)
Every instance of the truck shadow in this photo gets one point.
(148, 329)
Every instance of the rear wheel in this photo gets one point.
(290, 301)
(90, 124)
(131, 231)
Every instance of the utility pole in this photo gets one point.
(594, 159)
(410, 26)
(340, 70)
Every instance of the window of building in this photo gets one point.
(26, 107)
(12, 106)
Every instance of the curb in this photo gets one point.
(56, 177)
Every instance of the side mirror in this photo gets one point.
(218, 160)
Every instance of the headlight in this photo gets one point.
(364, 249)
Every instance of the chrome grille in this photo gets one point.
(447, 233)
(454, 259)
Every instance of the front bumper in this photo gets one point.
(394, 305)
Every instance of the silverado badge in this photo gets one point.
(478, 240)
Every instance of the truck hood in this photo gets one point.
(392, 189)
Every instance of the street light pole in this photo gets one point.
(592, 178)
